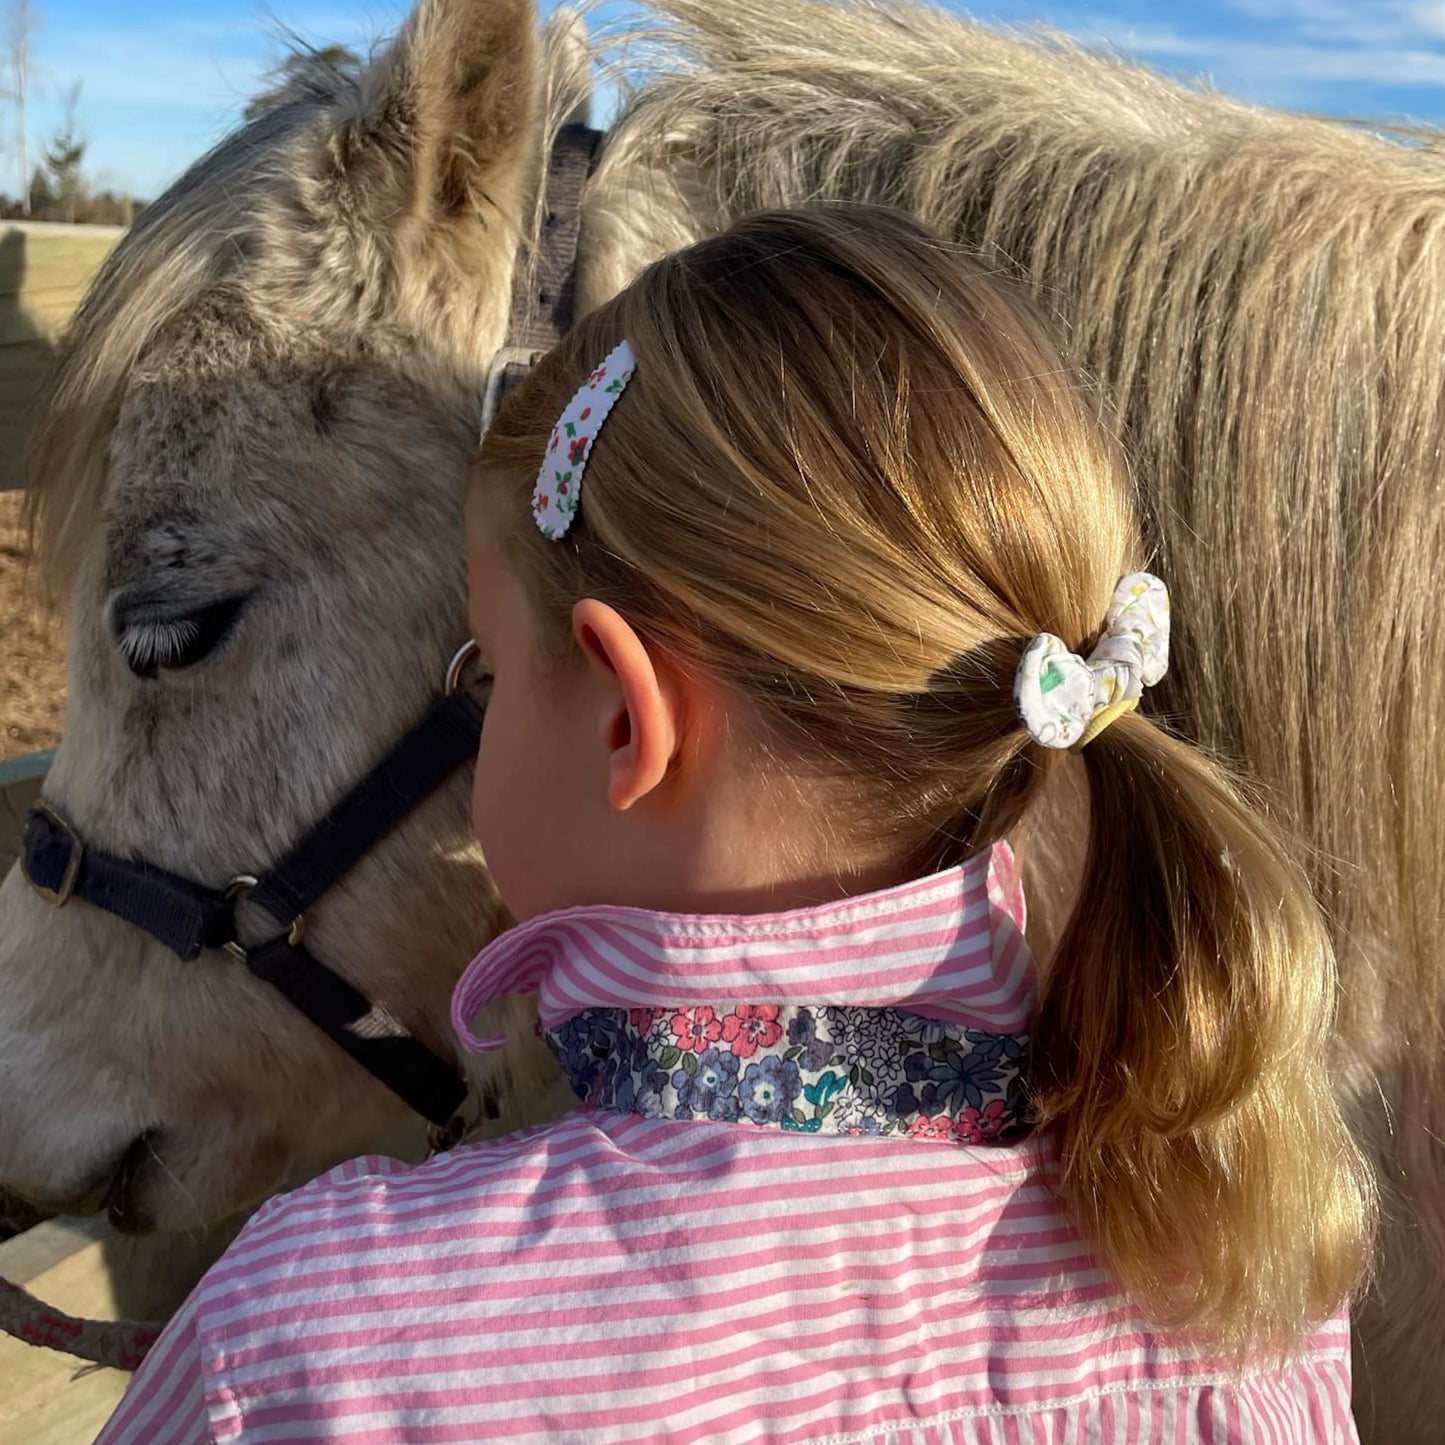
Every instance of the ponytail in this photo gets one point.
(1181, 1053)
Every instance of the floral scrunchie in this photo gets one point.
(1065, 700)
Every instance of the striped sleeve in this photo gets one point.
(166, 1401)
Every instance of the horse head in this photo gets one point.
(249, 478)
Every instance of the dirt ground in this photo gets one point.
(32, 648)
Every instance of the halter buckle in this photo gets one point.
(241, 884)
(57, 897)
(508, 367)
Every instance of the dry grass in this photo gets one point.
(32, 648)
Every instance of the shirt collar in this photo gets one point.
(947, 947)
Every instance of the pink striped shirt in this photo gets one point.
(620, 1277)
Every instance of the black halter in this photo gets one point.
(190, 917)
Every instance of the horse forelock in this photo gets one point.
(191, 241)
(246, 227)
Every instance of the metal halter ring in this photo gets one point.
(467, 652)
(442, 1137)
(57, 897)
(243, 883)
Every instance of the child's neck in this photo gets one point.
(783, 894)
(745, 851)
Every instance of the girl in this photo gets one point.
(793, 616)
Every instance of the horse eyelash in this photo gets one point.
(155, 644)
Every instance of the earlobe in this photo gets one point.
(641, 719)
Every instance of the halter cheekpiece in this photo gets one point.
(190, 917)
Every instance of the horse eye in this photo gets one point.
(150, 640)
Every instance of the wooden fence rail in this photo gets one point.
(20, 783)
(79, 1265)
(44, 273)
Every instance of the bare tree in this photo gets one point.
(22, 19)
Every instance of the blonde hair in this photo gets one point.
(850, 480)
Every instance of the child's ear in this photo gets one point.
(642, 713)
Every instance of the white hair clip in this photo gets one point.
(1065, 701)
(558, 492)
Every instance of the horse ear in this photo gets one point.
(443, 114)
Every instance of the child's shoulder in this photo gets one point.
(599, 1173)
(371, 1216)
(573, 1240)
(378, 1191)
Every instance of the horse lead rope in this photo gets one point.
(120, 1344)
(541, 312)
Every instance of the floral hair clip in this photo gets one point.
(1065, 701)
(558, 492)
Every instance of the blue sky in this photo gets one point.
(162, 80)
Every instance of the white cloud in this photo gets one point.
(1293, 53)
(1337, 20)
(1429, 18)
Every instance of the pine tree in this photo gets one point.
(63, 157)
(39, 195)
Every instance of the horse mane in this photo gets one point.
(1260, 296)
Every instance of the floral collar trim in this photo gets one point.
(814, 1070)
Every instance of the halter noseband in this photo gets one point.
(191, 917)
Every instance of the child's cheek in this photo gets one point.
(478, 786)
(490, 765)
(501, 805)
